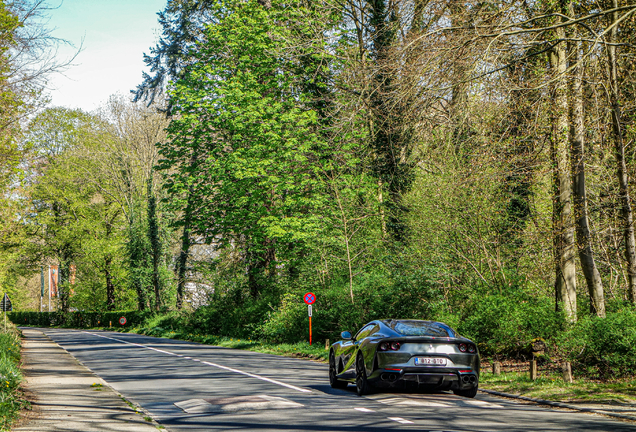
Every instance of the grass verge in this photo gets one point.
(11, 398)
(551, 387)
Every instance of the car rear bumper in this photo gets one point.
(451, 380)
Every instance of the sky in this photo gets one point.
(114, 35)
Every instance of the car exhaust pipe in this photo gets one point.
(473, 380)
(388, 377)
(466, 379)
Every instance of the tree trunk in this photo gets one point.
(62, 282)
(458, 105)
(110, 287)
(621, 166)
(391, 132)
(185, 252)
(577, 138)
(258, 263)
(565, 282)
(155, 243)
(141, 295)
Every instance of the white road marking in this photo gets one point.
(480, 403)
(412, 402)
(234, 404)
(208, 363)
(440, 401)
(364, 409)
(400, 420)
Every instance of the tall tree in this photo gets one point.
(564, 242)
(259, 136)
(391, 130)
(580, 204)
(619, 149)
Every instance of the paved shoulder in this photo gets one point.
(68, 396)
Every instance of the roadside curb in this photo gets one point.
(560, 405)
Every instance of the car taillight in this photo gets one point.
(395, 346)
(471, 348)
(462, 347)
(384, 346)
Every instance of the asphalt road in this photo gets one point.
(192, 387)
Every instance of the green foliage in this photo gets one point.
(11, 101)
(604, 347)
(247, 128)
(504, 324)
(11, 400)
(79, 319)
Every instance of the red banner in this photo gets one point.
(53, 280)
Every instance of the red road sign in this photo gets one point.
(122, 320)
(309, 298)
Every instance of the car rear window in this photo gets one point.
(423, 328)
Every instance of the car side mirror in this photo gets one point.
(345, 335)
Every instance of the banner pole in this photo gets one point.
(49, 288)
(41, 288)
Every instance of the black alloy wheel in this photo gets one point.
(334, 382)
(362, 385)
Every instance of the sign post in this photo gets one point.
(309, 298)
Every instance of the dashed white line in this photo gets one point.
(208, 363)
(364, 409)
(400, 420)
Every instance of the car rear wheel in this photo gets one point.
(470, 393)
(362, 385)
(333, 379)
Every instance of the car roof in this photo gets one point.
(390, 324)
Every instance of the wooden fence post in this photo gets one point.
(566, 367)
(327, 344)
(533, 370)
(496, 368)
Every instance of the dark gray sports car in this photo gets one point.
(388, 353)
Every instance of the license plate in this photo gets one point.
(430, 361)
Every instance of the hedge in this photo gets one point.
(79, 319)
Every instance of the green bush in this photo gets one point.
(10, 377)
(503, 325)
(79, 319)
(605, 347)
(374, 297)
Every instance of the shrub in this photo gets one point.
(11, 400)
(79, 319)
(505, 324)
(605, 347)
